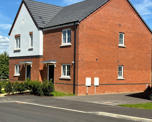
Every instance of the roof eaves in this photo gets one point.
(61, 26)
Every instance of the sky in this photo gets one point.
(9, 8)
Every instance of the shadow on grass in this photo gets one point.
(143, 95)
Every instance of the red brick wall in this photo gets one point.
(62, 55)
(35, 70)
(99, 54)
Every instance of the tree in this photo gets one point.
(4, 66)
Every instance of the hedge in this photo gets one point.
(35, 87)
(0, 87)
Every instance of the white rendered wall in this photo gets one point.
(23, 25)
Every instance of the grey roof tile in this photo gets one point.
(41, 12)
(76, 12)
(46, 15)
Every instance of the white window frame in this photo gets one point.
(122, 45)
(66, 43)
(17, 70)
(18, 42)
(65, 76)
(31, 40)
(122, 72)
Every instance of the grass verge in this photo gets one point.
(57, 94)
(139, 106)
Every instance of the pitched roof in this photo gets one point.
(46, 16)
(76, 12)
(42, 13)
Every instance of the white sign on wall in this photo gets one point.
(96, 81)
(88, 81)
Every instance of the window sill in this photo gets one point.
(17, 50)
(121, 46)
(16, 75)
(65, 78)
(66, 45)
(120, 78)
(30, 49)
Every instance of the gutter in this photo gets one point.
(61, 26)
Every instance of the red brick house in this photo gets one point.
(103, 41)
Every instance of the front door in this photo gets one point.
(28, 72)
(51, 73)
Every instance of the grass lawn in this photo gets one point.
(57, 94)
(139, 106)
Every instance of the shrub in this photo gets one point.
(20, 87)
(14, 85)
(0, 87)
(36, 88)
(8, 87)
(27, 84)
(47, 88)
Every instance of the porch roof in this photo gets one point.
(25, 62)
(49, 62)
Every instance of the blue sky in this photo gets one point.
(8, 10)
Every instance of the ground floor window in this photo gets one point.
(65, 70)
(17, 70)
(120, 71)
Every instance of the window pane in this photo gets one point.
(64, 70)
(69, 36)
(64, 37)
(68, 70)
(19, 42)
(120, 71)
(31, 40)
(17, 69)
(16, 42)
(121, 38)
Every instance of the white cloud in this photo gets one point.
(4, 43)
(68, 2)
(144, 7)
(5, 26)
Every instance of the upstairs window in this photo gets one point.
(65, 70)
(31, 39)
(18, 41)
(121, 39)
(120, 72)
(66, 37)
(17, 70)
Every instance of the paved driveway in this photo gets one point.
(110, 99)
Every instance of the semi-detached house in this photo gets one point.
(94, 40)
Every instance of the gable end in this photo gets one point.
(139, 16)
(18, 14)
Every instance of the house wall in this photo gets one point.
(99, 54)
(63, 55)
(23, 25)
(35, 69)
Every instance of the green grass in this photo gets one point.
(57, 94)
(139, 106)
